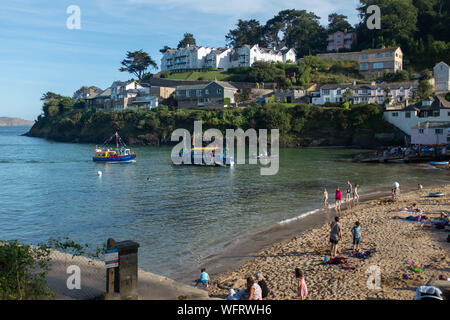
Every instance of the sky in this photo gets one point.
(38, 53)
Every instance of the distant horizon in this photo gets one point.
(40, 54)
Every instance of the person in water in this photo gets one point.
(325, 198)
(338, 200)
(348, 194)
(355, 194)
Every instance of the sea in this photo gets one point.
(183, 217)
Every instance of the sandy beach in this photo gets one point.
(395, 242)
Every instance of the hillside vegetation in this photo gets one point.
(299, 125)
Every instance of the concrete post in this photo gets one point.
(127, 275)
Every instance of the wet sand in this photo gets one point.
(394, 240)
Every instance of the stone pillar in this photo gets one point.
(127, 275)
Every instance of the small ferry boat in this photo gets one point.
(216, 158)
(121, 153)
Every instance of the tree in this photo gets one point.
(249, 32)
(306, 35)
(425, 89)
(188, 39)
(137, 63)
(163, 50)
(347, 95)
(337, 22)
(50, 95)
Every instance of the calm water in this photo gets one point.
(184, 214)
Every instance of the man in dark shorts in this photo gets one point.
(335, 236)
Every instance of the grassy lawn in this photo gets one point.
(209, 75)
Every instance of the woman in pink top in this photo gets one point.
(255, 292)
(302, 290)
(338, 199)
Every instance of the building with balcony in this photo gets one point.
(213, 94)
(341, 40)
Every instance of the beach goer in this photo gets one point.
(302, 289)
(356, 232)
(349, 191)
(338, 200)
(204, 279)
(325, 198)
(419, 186)
(254, 290)
(335, 236)
(355, 193)
(262, 283)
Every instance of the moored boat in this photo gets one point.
(121, 153)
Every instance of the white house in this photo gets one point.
(431, 109)
(365, 93)
(222, 58)
(441, 73)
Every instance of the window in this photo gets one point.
(206, 91)
(436, 113)
(339, 35)
(364, 57)
(338, 42)
(327, 92)
(338, 91)
(395, 114)
(439, 131)
(363, 66)
(448, 139)
(378, 65)
(388, 54)
(448, 113)
(408, 115)
(187, 93)
(219, 90)
(199, 93)
(421, 131)
(327, 99)
(379, 55)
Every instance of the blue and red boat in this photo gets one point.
(121, 153)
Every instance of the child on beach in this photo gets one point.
(338, 199)
(356, 231)
(325, 198)
(302, 290)
(204, 279)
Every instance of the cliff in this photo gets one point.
(301, 125)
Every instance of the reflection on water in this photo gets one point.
(184, 213)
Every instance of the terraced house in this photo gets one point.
(377, 61)
(193, 57)
(381, 93)
(213, 94)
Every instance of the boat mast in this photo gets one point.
(117, 143)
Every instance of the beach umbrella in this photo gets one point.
(395, 185)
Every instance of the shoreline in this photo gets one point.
(238, 251)
(273, 258)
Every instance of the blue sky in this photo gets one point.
(39, 54)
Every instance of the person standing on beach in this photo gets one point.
(325, 198)
(356, 231)
(355, 194)
(335, 236)
(348, 195)
(302, 290)
(338, 199)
